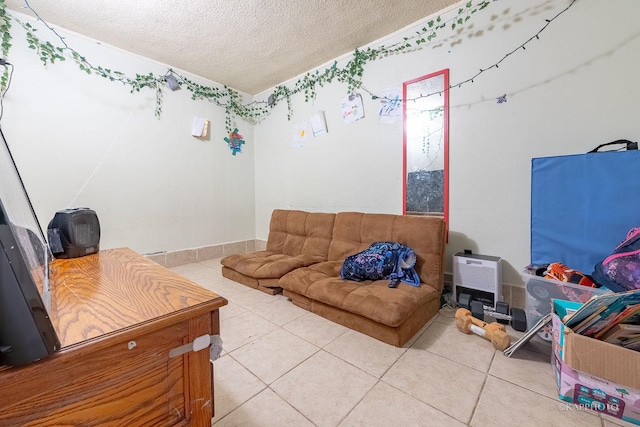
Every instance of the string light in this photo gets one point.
(496, 65)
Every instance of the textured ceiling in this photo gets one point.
(250, 45)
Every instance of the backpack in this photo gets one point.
(382, 260)
(620, 271)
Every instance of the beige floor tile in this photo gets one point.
(210, 278)
(368, 354)
(324, 388)
(505, 404)
(192, 270)
(315, 329)
(212, 263)
(527, 369)
(226, 288)
(274, 354)
(386, 406)
(442, 383)
(252, 299)
(609, 421)
(418, 334)
(446, 316)
(441, 378)
(280, 310)
(265, 410)
(230, 310)
(446, 340)
(211, 282)
(239, 330)
(233, 385)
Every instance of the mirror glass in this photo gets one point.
(18, 219)
(426, 145)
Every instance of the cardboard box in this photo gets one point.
(599, 358)
(587, 391)
(594, 374)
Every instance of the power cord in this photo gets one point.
(3, 62)
(448, 309)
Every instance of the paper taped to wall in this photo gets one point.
(318, 123)
(352, 108)
(200, 127)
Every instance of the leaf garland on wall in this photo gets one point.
(225, 97)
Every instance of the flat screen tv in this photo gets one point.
(26, 331)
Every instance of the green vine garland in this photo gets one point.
(225, 97)
(5, 27)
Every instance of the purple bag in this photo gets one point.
(620, 271)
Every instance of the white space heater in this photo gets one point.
(479, 276)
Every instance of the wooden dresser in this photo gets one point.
(118, 315)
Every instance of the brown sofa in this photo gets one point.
(392, 315)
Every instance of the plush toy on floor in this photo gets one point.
(494, 332)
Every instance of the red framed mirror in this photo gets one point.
(425, 114)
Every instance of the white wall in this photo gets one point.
(574, 88)
(81, 140)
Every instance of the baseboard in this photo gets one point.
(188, 256)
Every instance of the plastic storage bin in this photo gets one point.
(540, 291)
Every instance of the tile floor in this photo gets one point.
(283, 366)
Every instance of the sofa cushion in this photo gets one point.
(371, 299)
(268, 264)
(300, 279)
(297, 232)
(296, 239)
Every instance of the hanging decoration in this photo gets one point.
(225, 97)
(200, 127)
(253, 112)
(318, 123)
(352, 108)
(390, 105)
(300, 133)
(235, 141)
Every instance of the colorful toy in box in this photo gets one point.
(562, 273)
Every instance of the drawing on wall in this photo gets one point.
(200, 127)
(390, 105)
(318, 123)
(234, 141)
(352, 108)
(300, 132)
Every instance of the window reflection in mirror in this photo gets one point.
(426, 145)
